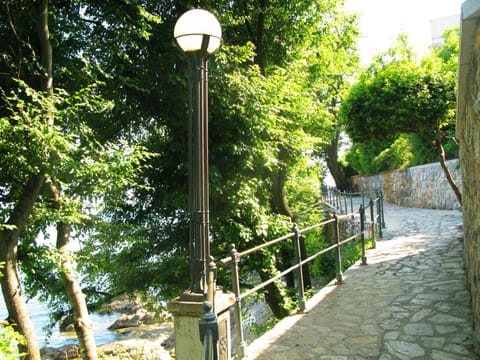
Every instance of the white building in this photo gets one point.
(438, 27)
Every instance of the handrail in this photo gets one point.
(227, 260)
(376, 220)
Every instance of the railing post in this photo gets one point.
(362, 230)
(336, 199)
(208, 329)
(345, 201)
(298, 254)
(372, 219)
(379, 213)
(240, 345)
(383, 214)
(211, 282)
(340, 279)
(351, 203)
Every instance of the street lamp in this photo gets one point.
(198, 33)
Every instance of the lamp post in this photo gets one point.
(198, 34)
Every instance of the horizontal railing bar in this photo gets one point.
(264, 245)
(269, 281)
(296, 266)
(323, 223)
(227, 260)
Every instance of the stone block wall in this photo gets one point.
(468, 134)
(422, 186)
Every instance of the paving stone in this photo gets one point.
(419, 315)
(446, 319)
(443, 355)
(433, 342)
(418, 329)
(405, 349)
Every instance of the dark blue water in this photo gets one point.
(39, 313)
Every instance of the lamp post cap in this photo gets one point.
(193, 26)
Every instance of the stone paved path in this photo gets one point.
(409, 302)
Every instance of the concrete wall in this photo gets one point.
(468, 134)
(422, 186)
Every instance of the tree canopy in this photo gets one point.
(397, 96)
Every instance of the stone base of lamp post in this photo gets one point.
(186, 314)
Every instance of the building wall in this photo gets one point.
(422, 186)
(468, 134)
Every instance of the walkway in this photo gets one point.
(409, 302)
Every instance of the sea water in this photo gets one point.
(40, 317)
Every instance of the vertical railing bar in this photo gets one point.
(351, 204)
(336, 199)
(383, 214)
(362, 230)
(301, 286)
(372, 220)
(240, 346)
(380, 230)
(339, 277)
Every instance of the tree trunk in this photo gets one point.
(273, 295)
(46, 51)
(336, 169)
(443, 164)
(82, 322)
(307, 281)
(9, 235)
(279, 205)
(18, 313)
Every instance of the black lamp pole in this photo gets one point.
(198, 33)
(198, 169)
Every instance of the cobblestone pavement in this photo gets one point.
(409, 302)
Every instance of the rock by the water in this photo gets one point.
(62, 353)
(144, 343)
(141, 317)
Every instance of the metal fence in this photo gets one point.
(372, 207)
(346, 201)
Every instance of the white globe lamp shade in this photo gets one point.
(193, 26)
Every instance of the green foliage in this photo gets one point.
(9, 340)
(400, 106)
(400, 97)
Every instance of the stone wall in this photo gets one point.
(422, 186)
(468, 134)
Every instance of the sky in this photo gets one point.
(382, 21)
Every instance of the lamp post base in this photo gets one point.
(187, 310)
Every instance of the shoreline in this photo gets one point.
(145, 342)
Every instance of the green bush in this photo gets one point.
(404, 151)
(9, 340)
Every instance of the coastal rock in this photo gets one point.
(125, 321)
(66, 323)
(141, 317)
(62, 353)
(143, 343)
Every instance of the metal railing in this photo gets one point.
(376, 221)
(344, 201)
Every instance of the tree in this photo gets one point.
(53, 167)
(396, 95)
